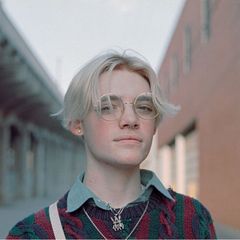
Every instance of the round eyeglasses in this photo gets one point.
(110, 107)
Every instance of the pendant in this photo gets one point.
(117, 223)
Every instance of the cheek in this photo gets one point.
(98, 133)
(149, 130)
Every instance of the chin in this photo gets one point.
(129, 161)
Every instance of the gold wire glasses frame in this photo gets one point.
(111, 107)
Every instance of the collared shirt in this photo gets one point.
(80, 193)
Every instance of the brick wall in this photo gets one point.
(209, 95)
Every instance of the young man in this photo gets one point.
(115, 104)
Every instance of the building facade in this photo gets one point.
(198, 149)
(38, 157)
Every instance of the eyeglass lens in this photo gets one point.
(111, 107)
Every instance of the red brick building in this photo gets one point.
(200, 147)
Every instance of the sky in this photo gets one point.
(65, 34)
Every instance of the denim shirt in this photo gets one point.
(80, 193)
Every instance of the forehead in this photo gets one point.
(123, 82)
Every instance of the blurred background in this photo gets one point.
(193, 46)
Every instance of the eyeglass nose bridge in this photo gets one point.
(131, 103)
(116, 114)
(133, 108)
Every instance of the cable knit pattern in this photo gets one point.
(165, 219)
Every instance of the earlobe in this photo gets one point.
(76, 128)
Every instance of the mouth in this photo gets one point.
(128, 139)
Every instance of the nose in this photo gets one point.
(129, 119)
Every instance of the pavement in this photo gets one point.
(226, 232)
(11, 214)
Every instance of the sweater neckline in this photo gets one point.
(156, 201)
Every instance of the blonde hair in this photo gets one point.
(83, 90)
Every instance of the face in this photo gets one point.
(125, 141)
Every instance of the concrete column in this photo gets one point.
(181, 164)
(58, 168)
(46, 149)
(9, 154)
(53, 166)
(48, 165)
(40, 168)
(48, 169)
(25, 163)
(5, 192)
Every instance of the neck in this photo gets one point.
(113, 185)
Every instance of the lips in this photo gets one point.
(129, 138)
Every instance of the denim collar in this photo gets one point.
(79, 193)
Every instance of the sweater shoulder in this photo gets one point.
(195, 217)
(35, 226)
(190, 205)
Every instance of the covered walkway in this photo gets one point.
(38, 157)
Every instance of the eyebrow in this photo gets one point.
(121, 96)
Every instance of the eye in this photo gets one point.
(109, 108)
(106, 108)
(145, 108)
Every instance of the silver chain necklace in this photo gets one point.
(134, 228)
(117, 219)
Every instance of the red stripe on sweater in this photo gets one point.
(65, 215)
(103, 228)
(41, 219)
(142, 230)
(188, 217)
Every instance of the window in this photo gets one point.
(206, 20)
(181, 160)
(192, 164)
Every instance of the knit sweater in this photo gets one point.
(184, 218)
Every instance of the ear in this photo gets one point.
(76, 128)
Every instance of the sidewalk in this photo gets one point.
(224, 232)
(11, 214)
